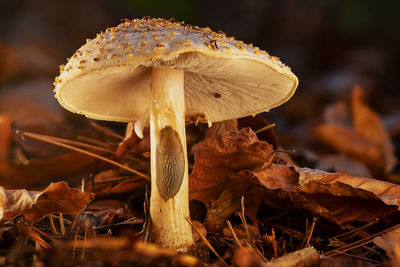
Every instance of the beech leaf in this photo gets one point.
(337, 197)
(238, 164)
(367, 140)
(218, 157)
(56, 198)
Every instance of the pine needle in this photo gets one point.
(206, 242)
(54, 142)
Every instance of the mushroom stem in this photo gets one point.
(169, 202)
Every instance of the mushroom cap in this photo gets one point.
(109, 77)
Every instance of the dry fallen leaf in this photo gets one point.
(257, 123)
(369, 125)
(368, 141)
(218, 157)
(221, 208)
(221, 128)
(111, 182)
(343, 164)
(43, 171)
(222, 174)
(132, 143)
(102, 212)
(337, 197)
(56, 198)
(389, 242)
(5, 136)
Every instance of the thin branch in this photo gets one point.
(310, 232)
(352, 233)
(360, 242)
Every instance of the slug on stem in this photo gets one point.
(170, 163)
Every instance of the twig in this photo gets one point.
(265, 128)
(360, 242)
(53, 227)
(106, 131)
(244, 222)
(303, 257)
(62, 226)
(206, 242)
(246, 230)
(45, 139)
(355, 231)
(310, 232)
(233, 233)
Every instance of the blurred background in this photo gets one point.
(330, 45)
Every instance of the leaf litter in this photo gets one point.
(252, 198)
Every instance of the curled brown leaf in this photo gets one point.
(337, 197)
(56, 198)
(218, 157)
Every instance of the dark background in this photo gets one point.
(330, 45)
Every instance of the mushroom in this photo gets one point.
(163, 72)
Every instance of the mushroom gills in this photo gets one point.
(170, 163)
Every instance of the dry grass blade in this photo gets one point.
(309, 233)
(53, 227)
(233, 233)
(61, 218)
(265, 128)
(49, 140)
(206, 242)
(246, 229)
